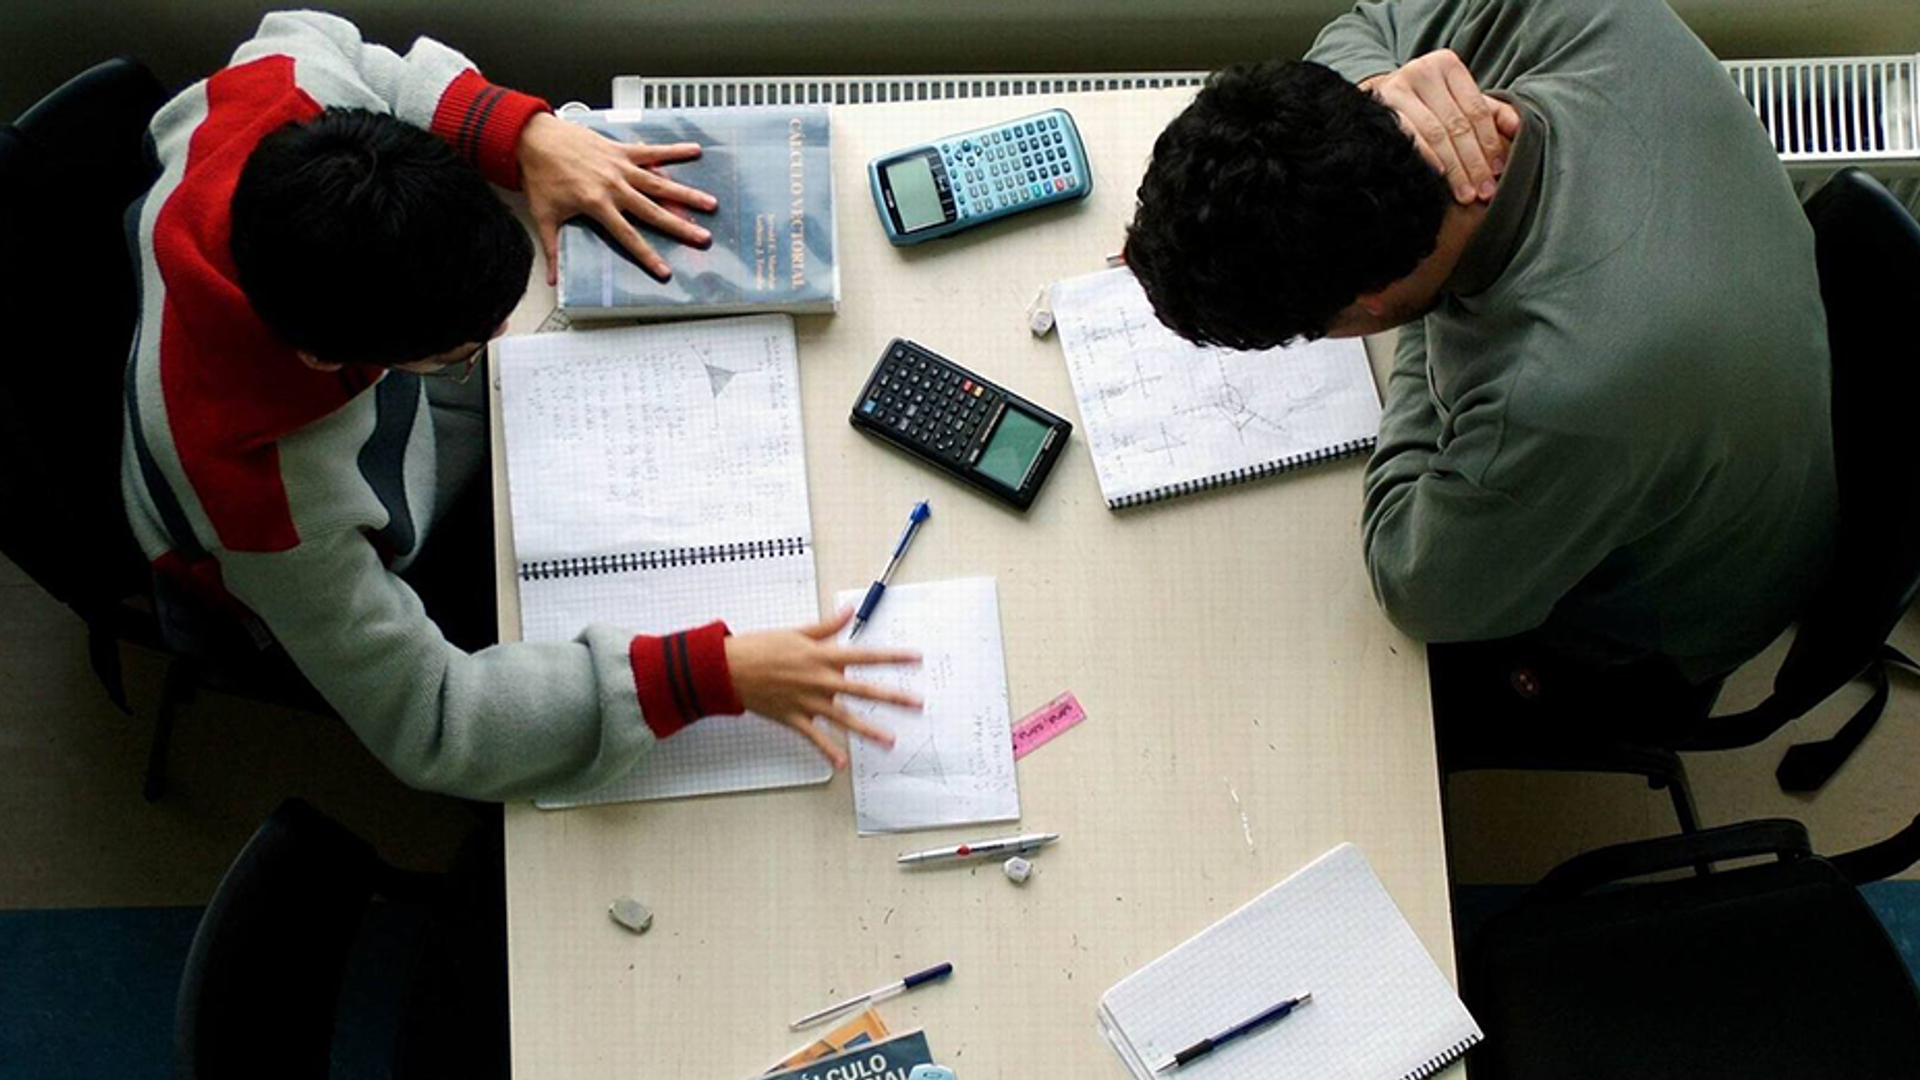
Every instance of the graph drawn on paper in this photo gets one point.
(678, 434)
(952, 762)
(1160, 412)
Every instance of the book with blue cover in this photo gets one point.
(891, 1059)
(774, 245)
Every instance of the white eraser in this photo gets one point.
(1040, 314)
(631, 914)
(1018, 870)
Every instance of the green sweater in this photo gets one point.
(1614, 426)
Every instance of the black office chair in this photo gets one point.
(261, 989)
(69, 169)
(1773, 970)
(1868, 251)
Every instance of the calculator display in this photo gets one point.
(1015, 445)
(914, 195)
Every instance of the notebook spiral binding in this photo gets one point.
(1441, 1061)
(1241, 476)
(629, 562)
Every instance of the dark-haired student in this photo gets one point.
(1605, 442)
(322, 261)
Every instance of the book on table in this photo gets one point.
(1164, 417)
(658, 481)
(774, 245)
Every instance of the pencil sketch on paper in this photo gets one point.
(952, 762)
(1161, 411)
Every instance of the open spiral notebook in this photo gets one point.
(1381, 1009)
(659, 481)
(1164, 417)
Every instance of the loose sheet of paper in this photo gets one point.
(1161, 412)
(951, 763)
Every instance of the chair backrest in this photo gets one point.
(1868, 248)
(263, 977)
(69, 168)
(1778, 969)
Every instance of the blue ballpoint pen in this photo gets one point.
(874, 591)
(1207, 1046)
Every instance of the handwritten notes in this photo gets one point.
(1163, 416)
(654, 437)
(952, 763)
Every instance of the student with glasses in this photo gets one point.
(323, 261)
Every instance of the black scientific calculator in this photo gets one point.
(960, 423)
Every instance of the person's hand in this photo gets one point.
(792, 676)
(1463, 133)
(569, 170)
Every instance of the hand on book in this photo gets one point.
(568, 170)
(1463, 133)
(793, 675)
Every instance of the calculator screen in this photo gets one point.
(1015, 444)
(914, 194)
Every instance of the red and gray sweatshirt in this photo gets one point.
(292, 497)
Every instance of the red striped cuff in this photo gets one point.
(683, 677)
(482, 122)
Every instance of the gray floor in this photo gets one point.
(78, 835)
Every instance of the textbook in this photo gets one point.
(891, 1059)
(774, 245)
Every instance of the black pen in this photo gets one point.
(1207, 1046)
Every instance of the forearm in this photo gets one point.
(432, 86)
(507, 722)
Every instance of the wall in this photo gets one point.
(572, 50)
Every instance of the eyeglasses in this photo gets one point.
(465, 368)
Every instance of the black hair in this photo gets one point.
(1277, 198)
(362, 239)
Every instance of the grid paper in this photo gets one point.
(653, 437)
(663, 441)
(1381, 1009)
(720, 753)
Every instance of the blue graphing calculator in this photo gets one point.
(926, 192)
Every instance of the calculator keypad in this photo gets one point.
(929, 403)
(1005, 168)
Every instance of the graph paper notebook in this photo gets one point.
(659, 481)
(1381, 1009)
(1164, 417)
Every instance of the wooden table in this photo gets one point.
(1248, 705)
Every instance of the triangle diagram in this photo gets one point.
(925, 764)
(718, 378)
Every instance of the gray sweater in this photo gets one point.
(1614, 427)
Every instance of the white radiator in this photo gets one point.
(1823, 114)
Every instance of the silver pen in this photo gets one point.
(980, 849)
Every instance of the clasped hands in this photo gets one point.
(1464, 134)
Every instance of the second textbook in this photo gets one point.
(774, 242)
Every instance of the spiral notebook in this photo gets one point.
(659, 481)
(1381, 1009)
(1164, 417)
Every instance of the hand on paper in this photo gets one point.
(792, 676)
(1460, 131)
(569, 170)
